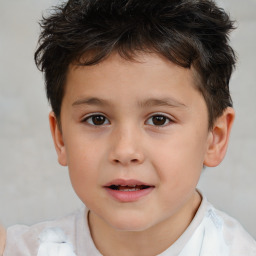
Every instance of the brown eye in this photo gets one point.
(97, 120)
(158, 120)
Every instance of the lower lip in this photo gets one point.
(129, 196)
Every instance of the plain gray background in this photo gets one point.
(33, 187)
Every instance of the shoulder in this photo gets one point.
(2, 239)
(235, 236)
(24, 240)
(240, 241)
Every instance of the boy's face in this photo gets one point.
(142, 125)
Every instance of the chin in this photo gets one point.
(130, 224)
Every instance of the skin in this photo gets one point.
(2, 239)
(130, 144)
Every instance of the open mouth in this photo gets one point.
(127, 188)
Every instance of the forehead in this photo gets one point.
(149, 74)
(141, 61)
(120, 86)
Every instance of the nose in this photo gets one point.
(126, 147)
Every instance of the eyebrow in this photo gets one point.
(91, 101)
(170, 102)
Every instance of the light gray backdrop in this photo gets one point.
(33, 187)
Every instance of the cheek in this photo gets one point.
(82, 152)
(179, 160)
(84, 183)
(82, 165)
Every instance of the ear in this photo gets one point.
(218, 138)
(58, 139)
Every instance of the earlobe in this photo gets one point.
(58, 139)
(218, 138)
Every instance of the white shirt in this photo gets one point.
(211, 233)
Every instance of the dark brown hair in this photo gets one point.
(190, 33)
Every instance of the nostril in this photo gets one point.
(131, 161)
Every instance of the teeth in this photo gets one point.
(131, 186)
(126, 187)
(129, 189)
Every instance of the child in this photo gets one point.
(140, 104)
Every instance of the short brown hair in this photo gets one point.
(190, 33)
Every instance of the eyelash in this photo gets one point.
(89, 119)
(167, 120)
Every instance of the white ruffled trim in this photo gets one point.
(53, 242)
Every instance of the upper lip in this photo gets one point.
(130, 182)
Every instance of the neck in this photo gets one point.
(110, 241)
